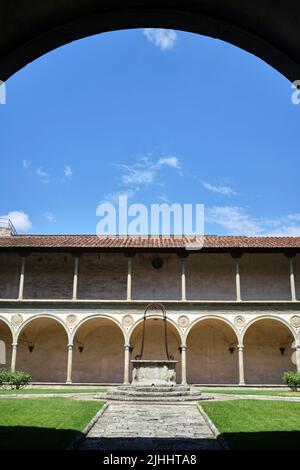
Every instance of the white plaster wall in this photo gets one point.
(102, 359)
(210, 277)
(48, 361)
(208, 358)
(264, 277)
(10, 267)
(263, 361)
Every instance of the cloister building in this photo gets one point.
(71, 306)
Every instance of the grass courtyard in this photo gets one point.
(48, 391)
(272, 393)
(257, 424)
(43, 423)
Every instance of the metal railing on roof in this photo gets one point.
(7, 223)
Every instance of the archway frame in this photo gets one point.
(97, 316)
(267, 30)
(268, 317)
(39, 317)
(213, 317)
(154, 317)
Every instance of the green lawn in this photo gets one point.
(274, 393)
(34, 391)
(257, 424)
(43, 423)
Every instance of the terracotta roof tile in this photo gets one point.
(214, 242)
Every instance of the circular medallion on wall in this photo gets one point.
(127, 320)
(239, 321)
(295, 321)
(16, 319)
(71, 320)
(183, 321)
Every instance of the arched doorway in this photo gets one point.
(98, 352)
(42, 350)
(154, 343)
(267, 352)
(212, 356)
(5, 345)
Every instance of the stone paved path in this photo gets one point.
(134, 426)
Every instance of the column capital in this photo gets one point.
(290, 254)
(240, 347)
(14, 345)
(236, 254)
(70, 345)
(183, 255)
(129, 254)
(183, 347)
(24, 254)
(75, 254)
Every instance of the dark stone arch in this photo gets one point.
(265, 28)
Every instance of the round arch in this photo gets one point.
(104, 316)
(98, 350)
(154, 345)
(8, 324)
(268, 317)
(212, 353)
(7, 338)
(43, 315)
(157, 317)
(212, 317)
(42, 348)
(268, 30)
(269, 344)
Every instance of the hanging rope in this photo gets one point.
(155, 306)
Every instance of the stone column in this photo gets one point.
(69, 364)
(14, 357)
(241, 365)
(183, 364)
(183, 279)
(126, 363)
(129, 273)
(75, 277)
(298, 355)
(22, 278)
(237, 258)
(292, 276)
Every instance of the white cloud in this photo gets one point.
(68, 172)
(235, 220)
(238, 221)
(50, 217)
(43, 175)
(145, 171)
(20, 220)
(172, 162)
(162, 38)
(25, 164)
(113, 198)
(225, 190)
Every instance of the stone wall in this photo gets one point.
(156, 284)
(49, 276)
(102, 276)
(10, 267)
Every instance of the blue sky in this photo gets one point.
(162, 116)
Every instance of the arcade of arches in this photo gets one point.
(100, 352)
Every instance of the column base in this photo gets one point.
(69, 382)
